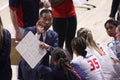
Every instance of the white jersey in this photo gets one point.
(90, 67)
(107, 64)
(117, 68)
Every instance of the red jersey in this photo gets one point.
(64, 10)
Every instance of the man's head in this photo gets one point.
(110, 26)
(45, 19)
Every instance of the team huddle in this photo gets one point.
(82, 58)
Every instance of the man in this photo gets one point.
(64, 22)
(49, 41)
(24, 13)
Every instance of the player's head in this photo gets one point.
(87, 35)
(78, 46)
(60, 57)
(110, 26)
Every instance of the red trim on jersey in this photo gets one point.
(20, 16)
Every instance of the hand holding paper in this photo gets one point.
(29, 49)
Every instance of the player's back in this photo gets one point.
(90, 67)
(107, 64)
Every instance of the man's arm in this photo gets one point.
(13, 15)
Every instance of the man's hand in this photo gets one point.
(18, 36)
(40, 27)
(46, 4)
(44, 45)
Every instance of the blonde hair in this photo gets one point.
(87, 34)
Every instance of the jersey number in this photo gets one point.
(94, 64)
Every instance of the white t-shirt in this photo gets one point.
(90, 67)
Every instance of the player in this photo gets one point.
(104, 54)
(87, 62)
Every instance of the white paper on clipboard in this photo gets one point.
(29, 49)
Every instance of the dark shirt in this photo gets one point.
(5, 64)
(27, 11)
(59, 74)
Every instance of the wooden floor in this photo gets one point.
(93, 19)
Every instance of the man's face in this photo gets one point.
(110, 29)
(44, 22)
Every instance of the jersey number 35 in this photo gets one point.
(94, 64)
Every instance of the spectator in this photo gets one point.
(24, 13)
(5, 48)
(64, 22)
(49, 42)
